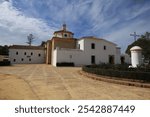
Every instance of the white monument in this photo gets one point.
(136, 56)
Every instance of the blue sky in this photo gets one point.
(113, 20)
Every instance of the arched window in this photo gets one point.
(65, 35)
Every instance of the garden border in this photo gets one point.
(115, 80)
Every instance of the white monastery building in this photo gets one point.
(19, 54)
(64, 48)
(90, 50)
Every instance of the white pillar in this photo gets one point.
(136, 56)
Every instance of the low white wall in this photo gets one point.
(23, 58)
(54, 57)
(69, 55)
(127, 59)
(1, 58)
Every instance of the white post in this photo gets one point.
(136, 56)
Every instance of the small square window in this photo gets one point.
(14, 60)
(16, 53)
(31, 53)
(29, 59)
(39, 55)
(25, 53)
(22, 59)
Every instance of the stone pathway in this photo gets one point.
(48, 82)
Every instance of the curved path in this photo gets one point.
(40, 81)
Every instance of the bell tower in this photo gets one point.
(64, 27)
(61, 39)
(64, 33)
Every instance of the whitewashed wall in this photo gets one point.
(102, 56)
(35, 58)
(68, 55)
(82, 55)
(1, 58)
(80, 44)
(127, 58)
(54, 57)
(118, 55)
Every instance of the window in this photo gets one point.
(22, 59)
(93, 46)
(25, 53)
(31, 53)
(65, 35)
(92, 59)
(29, 59)
(39, 55)
(16, 53)
(104, 47)
(14, 60)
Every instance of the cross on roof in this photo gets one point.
(134, 35)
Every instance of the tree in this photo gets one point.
(30, 39)
(144, 43)
(146, 36)
(43, 43)
(4, 50)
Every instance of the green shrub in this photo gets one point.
(120, 72)
(4, 63)
(65, 64)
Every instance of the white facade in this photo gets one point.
(26, 55)
(126, 58)
(136, 56)
(68, 55)
(89, 51)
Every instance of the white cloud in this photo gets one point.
(122, 36)
(15, 26)
(102, 18)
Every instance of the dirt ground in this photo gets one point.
(40, 81)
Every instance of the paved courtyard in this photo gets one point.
(40, 81)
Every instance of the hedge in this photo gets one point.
(4, 63)
(65, 64)
(129, 74)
